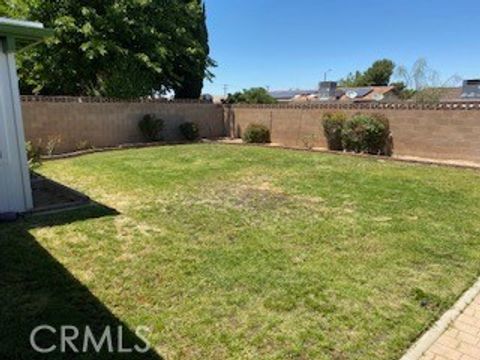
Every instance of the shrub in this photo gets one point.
(385, 142)
(332, 126)
(190, 131)
(256, 134)
(367, 133)
(34, 155)
(84, 145)
(308, 141)
(52, 143)
(151, 127)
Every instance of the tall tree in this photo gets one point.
(193, 71)
(118, 48)
(423, 83)
(378, 74)
(352, 80)
(256, 95)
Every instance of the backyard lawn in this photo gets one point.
(231, 252)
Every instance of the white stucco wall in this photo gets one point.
(15, 190)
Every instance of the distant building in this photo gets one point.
(219, 99)
(367, 94)
(328, 91)
(470, 91)
(290, 95)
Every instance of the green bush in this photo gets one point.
(151, 127)
(367, 134)
(386, 138)
(34, 155)
(190, 131)
(256, 134)
(332, 127)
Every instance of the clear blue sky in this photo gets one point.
(289, 44)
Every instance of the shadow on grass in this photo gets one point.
(35, 289)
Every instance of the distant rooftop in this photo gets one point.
(363, 93)
(289, 94)
(329, 91)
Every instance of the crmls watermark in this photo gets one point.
(74, 339)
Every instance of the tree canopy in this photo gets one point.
(193, 70)
(379, 74)
(118, 48)
(423, 82)
(257, 95)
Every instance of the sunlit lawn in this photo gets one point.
(253, 253)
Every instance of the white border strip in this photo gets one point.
(442, 325)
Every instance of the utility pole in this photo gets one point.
(325, 74)
(225, 90)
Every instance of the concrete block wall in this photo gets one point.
(438, 132)
(447, 131)
(104, 124)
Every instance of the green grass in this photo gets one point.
(249, 253)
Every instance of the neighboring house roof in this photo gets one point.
(448, 94)
(366, 93)
(443, 94)
(290, 94)
(360, 91)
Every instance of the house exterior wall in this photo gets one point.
(15, 190)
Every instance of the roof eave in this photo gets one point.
(22, 36)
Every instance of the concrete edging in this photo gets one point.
(436, 331)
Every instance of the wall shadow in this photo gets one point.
(35, 289)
